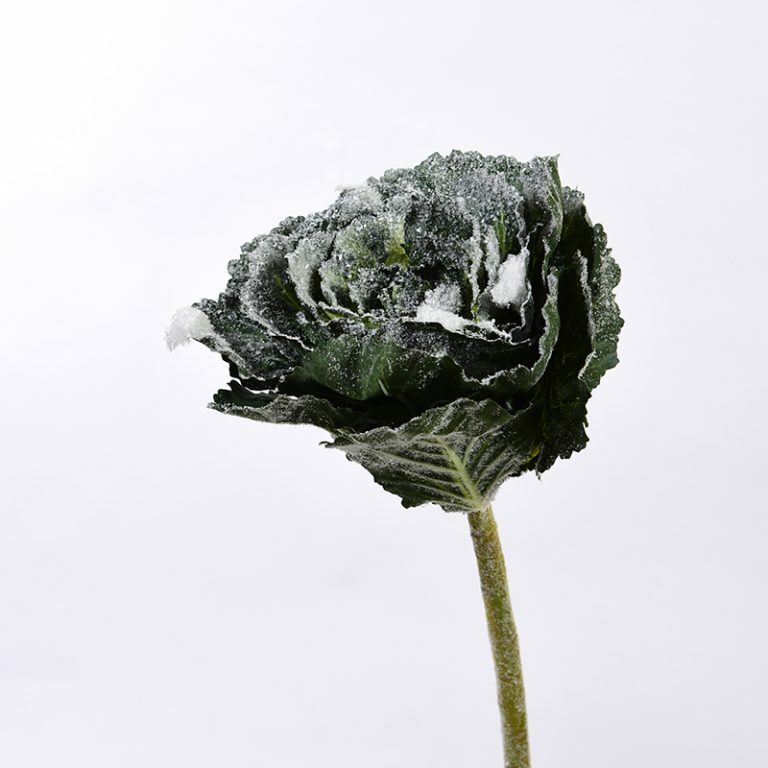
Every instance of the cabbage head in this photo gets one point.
(446, 324)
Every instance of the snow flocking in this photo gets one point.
(188, 324)
(511, 286)
(439, 306)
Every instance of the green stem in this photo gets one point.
(504, 642)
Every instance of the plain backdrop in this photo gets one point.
(180, 588)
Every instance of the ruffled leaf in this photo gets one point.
(285, 409)
(604, 312)
(363, 367)
(248, 346)
(560, 397)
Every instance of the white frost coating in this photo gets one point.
(360, 197)
(449, 320)
(512, 284)
(447, 297)
(583, 279)
(440, 305)
(259, 260)
(187, 324)
(493, 257)
(304, 262)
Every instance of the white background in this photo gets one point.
(179, 588)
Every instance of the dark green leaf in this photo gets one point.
(364, 367)
(521, 378)
(456, 456)
(561, 396)
(248, 346)
(284, 409)
(606, 320)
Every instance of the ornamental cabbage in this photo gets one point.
(446, 324)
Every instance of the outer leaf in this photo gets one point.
(606, 321)
(246, 345)
(456, 456)
(284, 409)
(561, 396)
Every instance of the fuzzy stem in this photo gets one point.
(503, 635)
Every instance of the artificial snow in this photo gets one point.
(511, 286)
(440, 305)
(187, 324)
